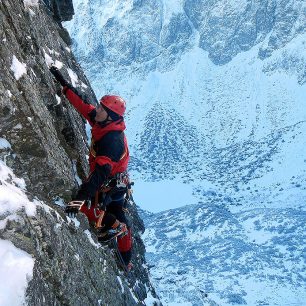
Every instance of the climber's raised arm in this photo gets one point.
(84, 108)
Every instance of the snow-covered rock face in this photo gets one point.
(253, 257)
(229, 27)
(153, 35)
(47, 258)
(43, 132)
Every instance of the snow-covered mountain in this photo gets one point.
(194, 120)
(253, 257)
(216, 95)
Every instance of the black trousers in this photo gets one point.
(114, 211)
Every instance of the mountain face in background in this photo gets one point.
(215, 90)
(216, 100)
(151, 35)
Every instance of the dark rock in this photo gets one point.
(62, 9)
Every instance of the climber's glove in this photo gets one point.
(73, 208)
(59, 77)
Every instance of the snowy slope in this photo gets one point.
(255, 257)
(16, 266)
(216, 107)
(233, 125)
(227, 125)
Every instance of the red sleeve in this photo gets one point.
(83, 108)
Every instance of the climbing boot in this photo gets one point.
(118, 229)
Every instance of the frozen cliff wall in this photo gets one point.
(145, 36)
(44, 131)
(43, 147)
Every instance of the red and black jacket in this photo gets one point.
(109, 152)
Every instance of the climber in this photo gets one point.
(101, 196)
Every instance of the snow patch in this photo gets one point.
(59, 202)
(12, 193)
(8, 218)
(4, 144)
(75, 172)
(259, 236)
(121, 284)
(16, 270)
(18, 126)
(171, 8)
(29, 3)
(48, 60)
(73, 77)
(58, 64)
(58, 99)
(173, 234)
(88, 234)
(75, 221)
(18, 68)
(150, 300)
(84, 86)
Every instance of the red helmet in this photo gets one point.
(114, 103)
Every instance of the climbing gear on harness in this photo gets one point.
(119, 180)
(119, 229)
(73, 208)
(115, 189)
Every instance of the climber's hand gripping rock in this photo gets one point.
(73, 208)
(58, 76)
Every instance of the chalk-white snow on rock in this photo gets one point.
(4, 144)
(50, 61)
(16, 266)
(91, 240)
(9, 93)
(12, 193)
(16, 270)
(58, 99)
(30, 3)
(18, 68)
(73, 77)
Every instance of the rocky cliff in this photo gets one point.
(167, 31)
(46, 146)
